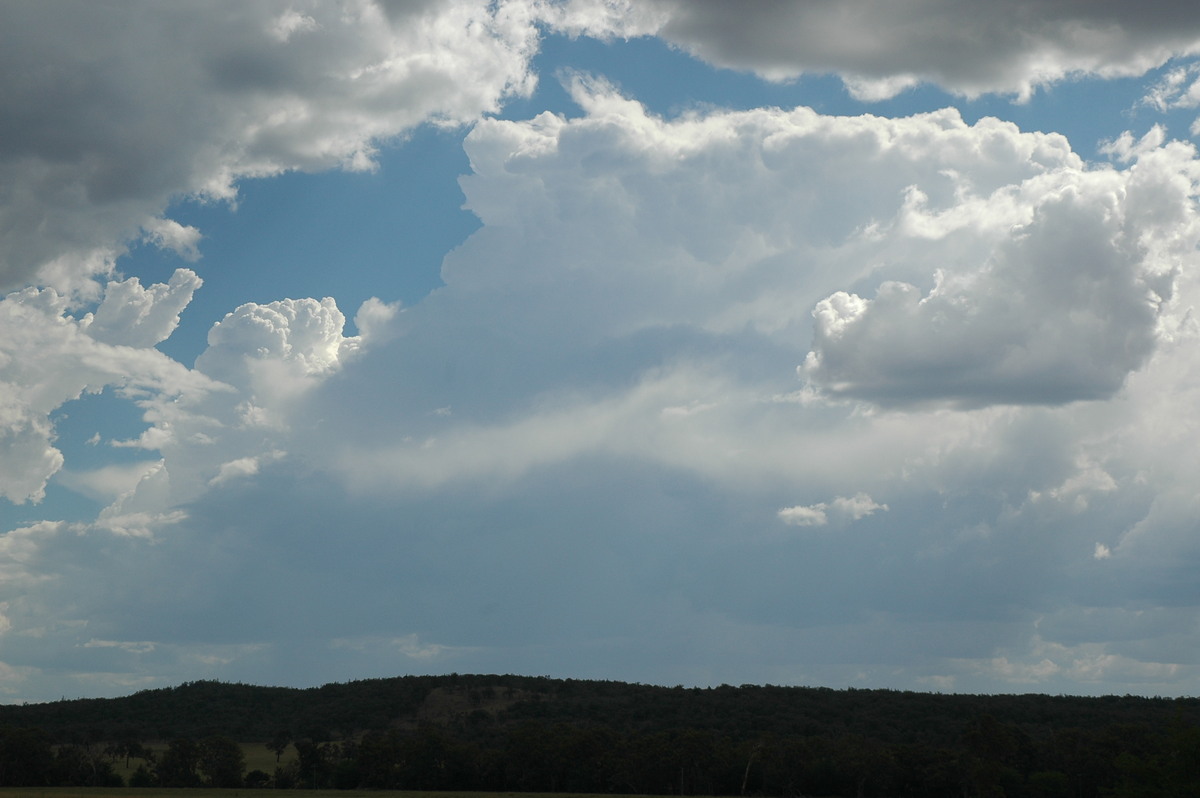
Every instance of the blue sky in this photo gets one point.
(674, 343)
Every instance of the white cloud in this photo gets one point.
(374, 319)
(685, 270)
(107, 482)
(1064, 299)
(1174, 90)
(261, 361)
(47, 358)
(243, 467)
(169, 234)
(804, 516)
(844, 509)
(304, 335)
(131, 315)
(856, 507)
(882, 47)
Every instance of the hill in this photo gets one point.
(537, 733)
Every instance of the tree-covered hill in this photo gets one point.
(536, 733)
(248, 712)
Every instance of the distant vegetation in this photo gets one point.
(529, 734)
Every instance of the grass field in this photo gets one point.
(258, 757)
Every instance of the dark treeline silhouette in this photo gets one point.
(514, 733)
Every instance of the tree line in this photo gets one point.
(530, 734)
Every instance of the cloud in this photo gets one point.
(844, 509)
(856, 507)
(261, 362)
(303, 334)
(242, 467)
(126, 109)
(1064, 300)
(1174, 90)
(131, 315)
(882, 47)
(48, 357)
(168, 234)
(637, 265)
(804, 516)
(107, 482)
(628, 319)
(618, 344)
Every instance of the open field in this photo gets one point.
(258, 757)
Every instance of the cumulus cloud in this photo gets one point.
(1064, 301)
(882, 47)
(131, 315)
(304, 334)
(261, 362)
(132, 107)
(48, 357)
(711, 234)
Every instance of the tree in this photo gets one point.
(313, 763)
(221, 761)
(279, 743)
(141, 778)
(26, 758)
(177, 765)
(82, 766)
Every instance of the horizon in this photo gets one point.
(709, 688)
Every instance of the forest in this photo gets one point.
(538, 734)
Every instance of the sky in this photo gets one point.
(670, 342)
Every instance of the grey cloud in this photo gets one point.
(883, 46)
(108, 112)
